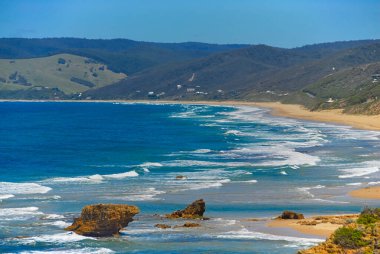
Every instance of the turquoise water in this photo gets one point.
(57, 157)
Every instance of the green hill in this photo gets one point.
(63, 72)
(355, 89)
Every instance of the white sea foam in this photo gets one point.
(53, 216)
(246, 234)
(56, 238)
(357, 172)
(82, 179)
(374, 183)
(10, 188)
(150, 164)
(234, 132)
(147, 194)
(202, 151)
(248, 181)
(132, 173)
(274, 155)
(146, 170)
(225, 222)
(306, 190)
(94, 179)
(72, 251)
(20, 213)
(195, 163)
(6, 196)
(283, 172)
(58, 223)
(353, 184)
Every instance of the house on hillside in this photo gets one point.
(375, 78)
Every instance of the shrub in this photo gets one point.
(349, 238)
(369, 216)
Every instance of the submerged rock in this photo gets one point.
(191, 225)
(194, 211)
(162, 226)
(103, 219)
(289, 215)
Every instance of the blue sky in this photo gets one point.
(284, 23)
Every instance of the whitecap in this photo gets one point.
(53, 216)
(82, 179)
(202, 151)
(132, 173)
(58, 223)
(150, 164)
(56, 238)
(357, 172)
(234, 132)
(94, 179)
(283, 172)
(20, 213)
(6, 196)
(72, 251)
(353, 184)
(147, 194)
(22, 188)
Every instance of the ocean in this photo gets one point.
(56, 157)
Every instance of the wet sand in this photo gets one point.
(372, 192)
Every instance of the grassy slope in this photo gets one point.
(47, 72)
(121, 55)
(242, 74)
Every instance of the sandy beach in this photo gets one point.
(335, 116)
(372, 192)
(316, 225)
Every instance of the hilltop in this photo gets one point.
(58, 75)
(320, 76)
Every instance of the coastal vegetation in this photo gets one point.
(358, 236)
(342, 75)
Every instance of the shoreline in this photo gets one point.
(321, 226)
(371, 192)
(335, 116)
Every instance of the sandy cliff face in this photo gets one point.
(103, 219)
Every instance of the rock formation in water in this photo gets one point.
(162, 226)
(289, 215)
(194, 211)
(103, 219)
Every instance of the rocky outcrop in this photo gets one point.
(356, 236)
(103, 219)
(194, 211)
(289, 215)
(162, 226)
(191, 225)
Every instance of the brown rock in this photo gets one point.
(289, 215)
(194, 211)
(103, 219)
(162, 226)
(191, 225)
(180, 177)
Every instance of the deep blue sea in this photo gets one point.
(57, 157)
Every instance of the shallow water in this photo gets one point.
(57, 157)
